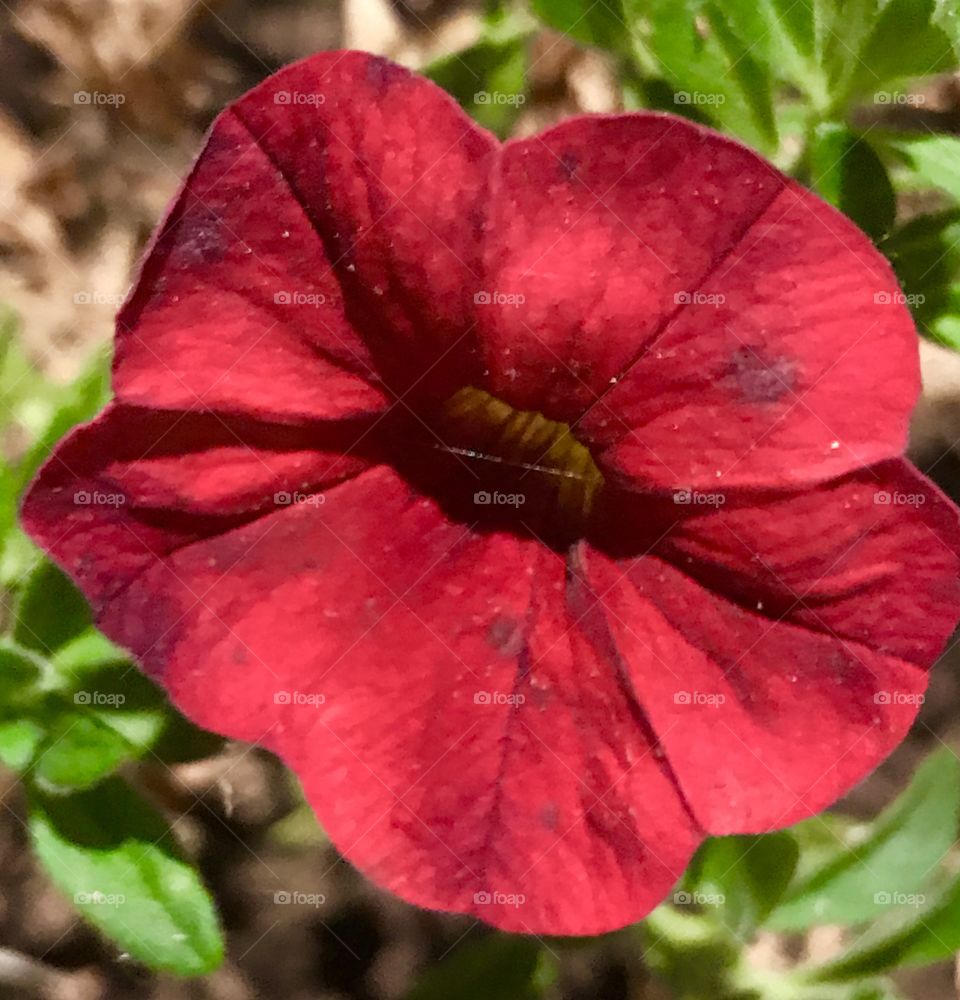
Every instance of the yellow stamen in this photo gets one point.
(478, 425)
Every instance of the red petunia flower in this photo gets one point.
(540, 504)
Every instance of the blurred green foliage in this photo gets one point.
(74, 712)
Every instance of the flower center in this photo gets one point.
(524, 450)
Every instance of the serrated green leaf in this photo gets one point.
(893, 859)
(739, 879)
(113, 856)
(495, 967)
(846, 171)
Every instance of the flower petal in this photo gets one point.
(455, 733)
(596, 228)
(392, 176)
(795, 362)
(322, 243)
(783, 653)
(135, 485)
(692, 312)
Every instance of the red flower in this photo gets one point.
(540, 504)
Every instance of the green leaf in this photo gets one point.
(98, 718)
(19, 742)
(714, 73)
(21, 677)
(87, 651)
(51, 610)
(112, 855)
(594, 22)
(95, 677)
(905, 42)
(740, 878)
(72, 404)
(18, 377)
(182, 741)
(127, 701)
(784, 38)
(892, 859)
(694, 954)
(933, 159)
(947, 17)
(847, 172)
(494, 967)
(78, 751)
(44, 412)
(844, 31)
(925, 931)
(489, 77)
(925, 253)
(820, 839)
